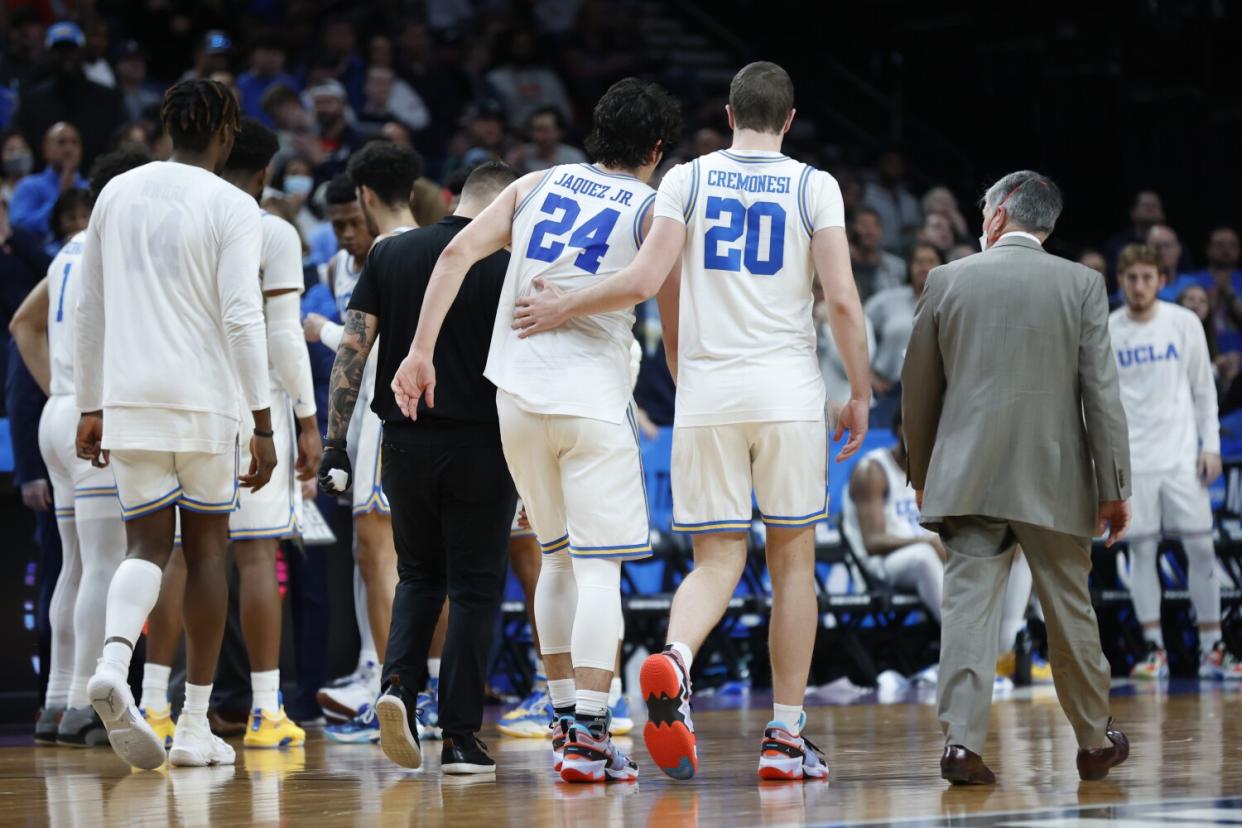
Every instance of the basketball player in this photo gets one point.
(752, 227)
(169, 324)
(564, 400)
(272, 514)
(87, 512)
(383, 174)
(1170, 400)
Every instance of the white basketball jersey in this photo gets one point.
(62, 290)
(577, 226)
(901, 510)
(747, 339)
(344, 279)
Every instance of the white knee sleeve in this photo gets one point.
(102, 545)
(556, 603)
(597, 622)
(60, 615)
(1204, 586)
(1144, 580)
(1017, 598)
(362, 617)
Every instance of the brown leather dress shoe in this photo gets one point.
(1095, 763)
(963, 767)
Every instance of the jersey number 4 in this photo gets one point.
(761, 259)
(591, 236)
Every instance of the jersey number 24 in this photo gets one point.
(719, 250)
(591, 236)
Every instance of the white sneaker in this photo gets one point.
(344, 697)
(131, 737)
(194, 745)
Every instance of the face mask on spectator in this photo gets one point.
(18, 165)
(298, 184)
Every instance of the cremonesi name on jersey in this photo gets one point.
(594, 189)
(1142, 354)
(748, 183)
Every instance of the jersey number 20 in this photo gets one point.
(591, 237)
(719, 252)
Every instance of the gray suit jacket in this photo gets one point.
(1009, 392)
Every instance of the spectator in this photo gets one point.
(94, 54)
(522, 85)
(388, 98)
(1194, 297)
(230, 81)
(295, 182)
(283, 108)
(70, 215)
(69, 95)
(427, 202)
(212, 54)
(484, 138)
(17, 160)
(1169, 247)
(1221, 274)
(37, 193)
(338, 49)
(851, 190)
(336, 139)
(137, 133)
(398, 133)
(141, 99)
(888, 195)
(267, 67)
(875, 269)
(891, 314)
(546, 129)
(20, 61)
(22, 264)
(1146, 212)
(441, 83)
(836, 382)
(1095, 260)
(706, 141)
(937, 230)
(940, 200)
(960, 251)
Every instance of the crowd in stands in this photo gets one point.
(461, 83)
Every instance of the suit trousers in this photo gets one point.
(974, 595)
(452, 505)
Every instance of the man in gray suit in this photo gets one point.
(1015, 430)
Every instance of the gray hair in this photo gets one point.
(1032, 201)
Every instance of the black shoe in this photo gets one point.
(48, 724)
(81, 727)
(398, 727)
(1022, 647)
(465, 755)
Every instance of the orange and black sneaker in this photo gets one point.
(669, 732)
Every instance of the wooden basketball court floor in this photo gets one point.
(1185, 770)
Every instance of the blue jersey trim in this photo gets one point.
(531, 194)
(804, 210)
(744, 159)
(598, 171)
(638, 219)
(694, 189)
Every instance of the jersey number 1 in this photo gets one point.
(749, 221)
(591, 237)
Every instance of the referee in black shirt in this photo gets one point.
(445, 476)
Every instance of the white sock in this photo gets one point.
(367, 659)
(58, 682)
(197, 697)
(591, 704)
(77, 692)
(789, 715)
(614, 691)
(684, 651)
(433, 669)
(131, 596)
(562, 692)
(265, 688)
(1208, 639)
(155, 686)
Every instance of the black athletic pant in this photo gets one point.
(452, 505)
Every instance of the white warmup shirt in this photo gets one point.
(170, 316)
(577, 226)
(63, 276)
(1167, 388)
(901, 509)
(747, 338)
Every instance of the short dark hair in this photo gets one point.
(1133, 254)
(112, 164)
(489, 178)
(388, 169)
(66, 201)
(633, 118)
(277, 94)
(195, 110)
(922, 245)
(554, 111)
(253, 149)
(864, 210)
(340, 190)
(761, 96)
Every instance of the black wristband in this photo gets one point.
(334, 443)
(258, 433)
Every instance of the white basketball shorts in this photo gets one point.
(1173, 503)
(275, 511)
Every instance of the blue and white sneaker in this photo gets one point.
(532, 722)
(428, 712)
(363, 729)
(591, 756)
(621, 721)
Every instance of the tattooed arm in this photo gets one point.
(361, 329)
